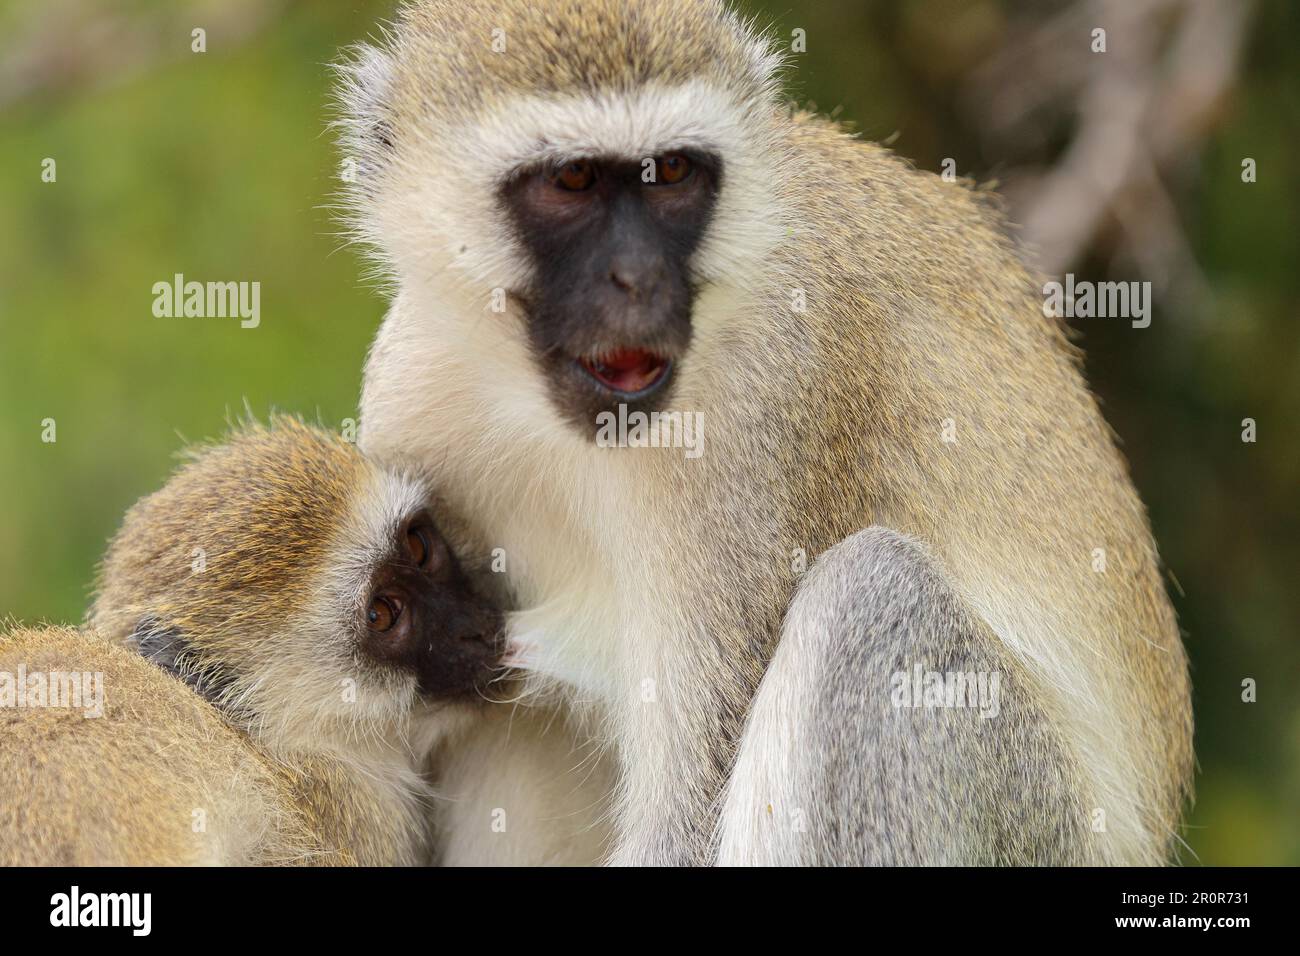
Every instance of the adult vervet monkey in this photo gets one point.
(588, 205)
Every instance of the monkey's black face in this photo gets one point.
(609, 309)
(424, 617)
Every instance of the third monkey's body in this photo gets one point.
(163, 779)
(657, 584)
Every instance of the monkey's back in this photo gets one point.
(158, 779)
(979, 436)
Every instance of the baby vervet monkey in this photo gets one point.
(281, 636)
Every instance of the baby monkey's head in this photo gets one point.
(298, 586)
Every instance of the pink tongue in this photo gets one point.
(627, 370)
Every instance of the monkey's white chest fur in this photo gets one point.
(553, 508)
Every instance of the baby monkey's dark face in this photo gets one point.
(424, 617)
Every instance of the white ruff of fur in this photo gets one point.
(435, 208)
(547, 494)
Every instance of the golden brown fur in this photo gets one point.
(227, 627)
(296, 480)
(123, 789)
(948, 324)
(585, 45)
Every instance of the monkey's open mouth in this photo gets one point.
(631, 373)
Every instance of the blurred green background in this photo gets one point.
(218, 166)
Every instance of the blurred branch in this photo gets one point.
(56, 47)
(1142, 109)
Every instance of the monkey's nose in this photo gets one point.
(635, 278)
(626, 281)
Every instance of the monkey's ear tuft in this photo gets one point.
(361, 96)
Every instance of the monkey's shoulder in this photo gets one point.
(63, 661)
(865, 191)
(109, 760)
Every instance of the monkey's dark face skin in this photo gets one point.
(424, 617)
(609, 308)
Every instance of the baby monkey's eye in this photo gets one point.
(672, 169)
(383, 612)
(417, 544)
(575, 176)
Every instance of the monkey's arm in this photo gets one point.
(840, 763)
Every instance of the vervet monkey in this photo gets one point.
(603, 207)
(283, 636)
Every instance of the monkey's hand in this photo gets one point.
(522, 651)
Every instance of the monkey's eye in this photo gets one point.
(672, 169)
(575, 176)
(417, 544)
(383, 612)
